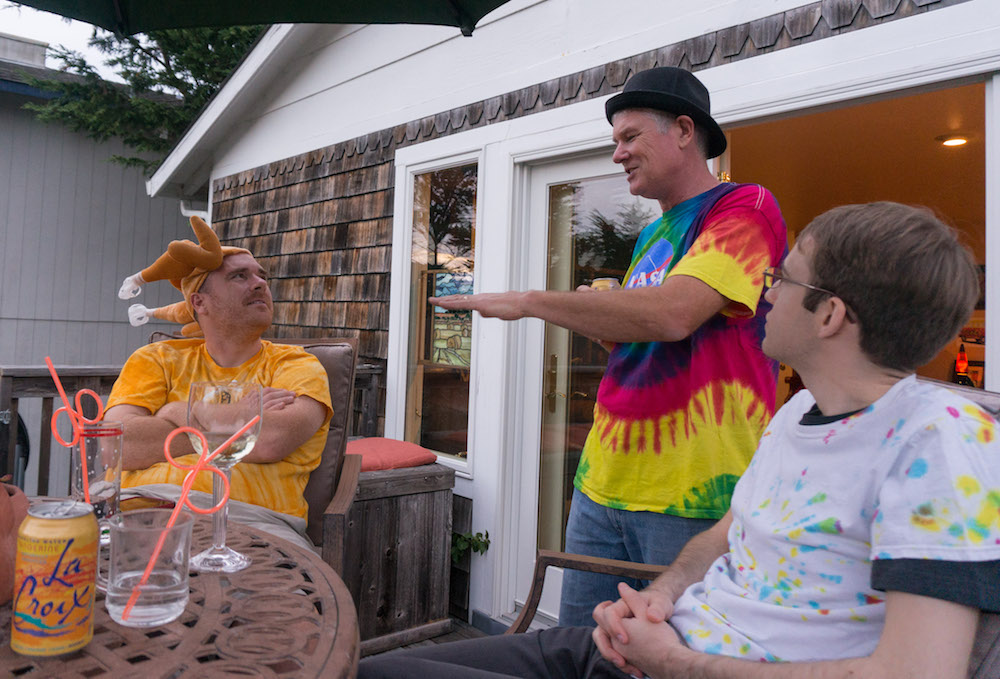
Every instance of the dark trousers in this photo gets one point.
(557, 653)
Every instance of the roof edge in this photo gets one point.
(176, 170)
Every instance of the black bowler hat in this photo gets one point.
(673, 90)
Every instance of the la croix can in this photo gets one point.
(54, 579)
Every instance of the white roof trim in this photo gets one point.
(189, 165)
(186, 169)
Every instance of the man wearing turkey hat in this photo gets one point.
(227, 307)
(687, 391)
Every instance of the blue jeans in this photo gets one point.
(596, 530)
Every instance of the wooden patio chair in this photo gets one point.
(331, 487)
(983, 664)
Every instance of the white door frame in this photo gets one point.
(540, 177)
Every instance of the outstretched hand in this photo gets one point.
(506, 306)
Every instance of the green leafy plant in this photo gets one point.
(463, 542)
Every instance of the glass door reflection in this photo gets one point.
(593, 225)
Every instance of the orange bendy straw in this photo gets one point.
(76, 420)
(203, 463)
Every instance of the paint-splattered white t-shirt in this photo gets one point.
(916, 475)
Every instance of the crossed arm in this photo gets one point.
(666, 313)
(923, 638)
(288, 422)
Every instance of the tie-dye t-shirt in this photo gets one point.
(916, 475)
(161, 372)
(675, 423)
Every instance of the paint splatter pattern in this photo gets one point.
(915, 476)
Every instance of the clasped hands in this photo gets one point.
(632, 633)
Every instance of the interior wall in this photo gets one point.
(885, 150)
(882, 150)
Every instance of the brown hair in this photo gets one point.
(901, 270)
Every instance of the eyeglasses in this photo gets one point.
(773, 276)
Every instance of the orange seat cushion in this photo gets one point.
(379, 453)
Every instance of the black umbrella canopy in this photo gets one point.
(127, 17)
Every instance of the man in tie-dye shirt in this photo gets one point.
(687, 391)
(864, 538)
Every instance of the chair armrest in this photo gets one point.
(335, 515)
(579, 562)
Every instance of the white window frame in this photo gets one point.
(399, 319)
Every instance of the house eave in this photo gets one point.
(185, 172)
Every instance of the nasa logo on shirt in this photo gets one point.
(652, 268)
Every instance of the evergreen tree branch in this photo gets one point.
(168, 76)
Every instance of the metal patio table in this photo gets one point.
(287, 615)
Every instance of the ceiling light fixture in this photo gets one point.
(952, 140)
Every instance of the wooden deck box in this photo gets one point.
(397, 555)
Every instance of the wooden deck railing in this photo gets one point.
(21, 382)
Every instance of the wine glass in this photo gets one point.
(218, 410)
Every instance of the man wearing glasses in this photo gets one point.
(687, 391)
(864, 537)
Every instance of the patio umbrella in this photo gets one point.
(127, 17)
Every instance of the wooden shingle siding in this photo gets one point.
(321, 222)
(881, 8)
(840, 13)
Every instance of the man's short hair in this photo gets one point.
(903, 272)
(665, 120)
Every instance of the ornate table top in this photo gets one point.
(287, 615)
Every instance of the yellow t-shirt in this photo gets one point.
(162, 372)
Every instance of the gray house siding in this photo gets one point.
(72, 226)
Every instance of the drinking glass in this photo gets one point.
(100, 446)
(218, 410)
(134, 539)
